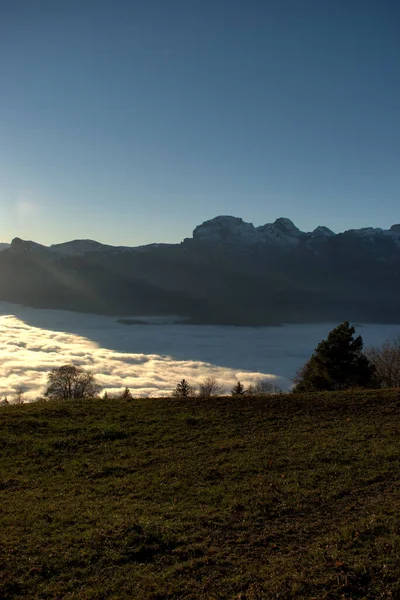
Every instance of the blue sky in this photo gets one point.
(133, 121)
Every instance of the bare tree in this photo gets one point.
(386, 360)
(68, 381)
(263, 388)
(209, 388)
(19, 396)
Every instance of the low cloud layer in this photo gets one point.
(28, 354)
(151, 359)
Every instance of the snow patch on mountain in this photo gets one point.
(365, 231)
(322, 232)
(373, 235)
(281, 233)
(225, 228)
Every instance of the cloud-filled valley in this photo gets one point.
(151, 359)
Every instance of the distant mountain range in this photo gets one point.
(228, 272)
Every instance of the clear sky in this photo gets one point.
(133, 121)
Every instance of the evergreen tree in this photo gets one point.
(183, 389)
(126, 394)
(337, 363)
(238, 389)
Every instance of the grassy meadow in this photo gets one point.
(287, 496)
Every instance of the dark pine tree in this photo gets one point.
(126, 394)
(337, 363)
(183, 389)
(238, 389)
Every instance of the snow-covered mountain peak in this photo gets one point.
(322, 232)
(365, 231)
(282, 232)
(224, 228)
(286, 226)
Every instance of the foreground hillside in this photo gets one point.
(282, 497)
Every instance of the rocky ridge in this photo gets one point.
(223, 229)
(282, 232)
(229, 272)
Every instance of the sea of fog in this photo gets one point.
(151, 359)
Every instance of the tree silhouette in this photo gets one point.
(337, 363)
(19, 396)
(183, 389)
(68, 382)
(238, 389)
(210, 387)
(386, 361)
(263, 388)
(126, 394)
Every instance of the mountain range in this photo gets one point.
(228, 272)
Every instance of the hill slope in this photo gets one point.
(283, 497)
